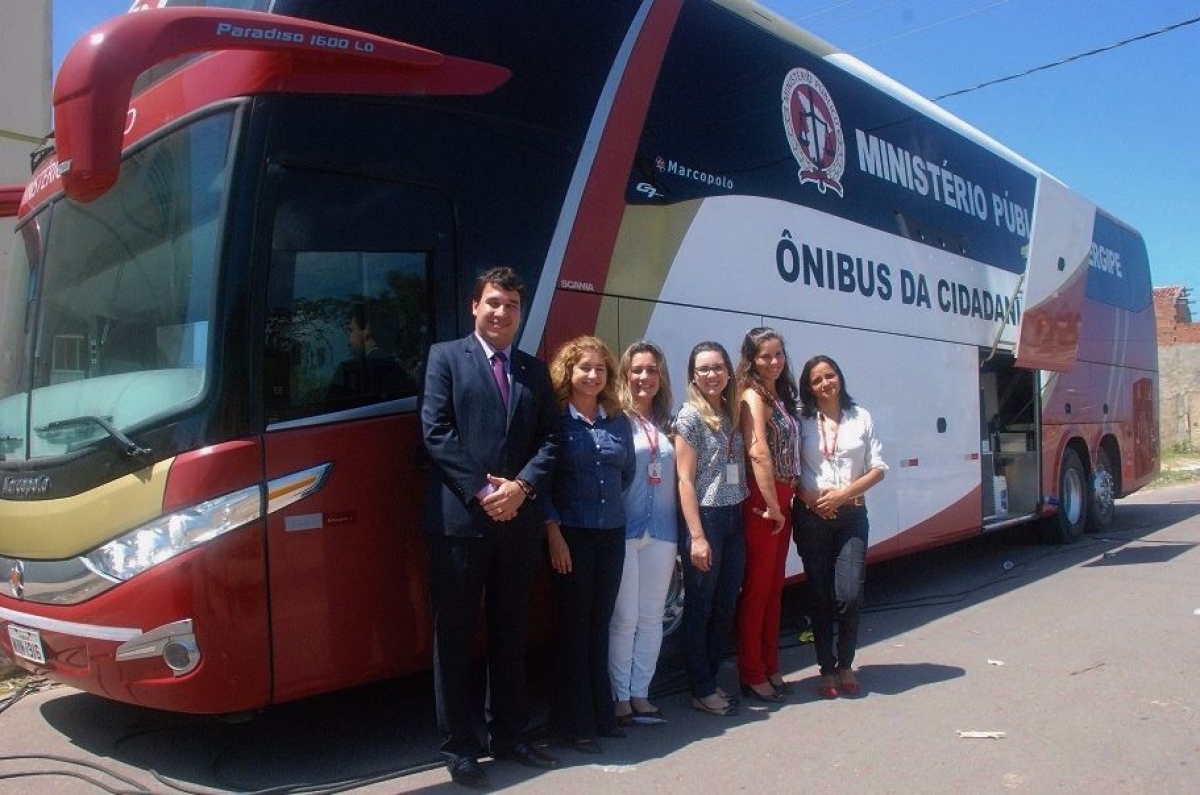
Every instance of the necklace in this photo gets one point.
(829, 428)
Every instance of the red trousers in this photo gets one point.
(759, 607)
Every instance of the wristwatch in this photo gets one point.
(527, 487)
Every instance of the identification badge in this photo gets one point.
(733, 474)
(654, 473)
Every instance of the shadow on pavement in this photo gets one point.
(383, 730)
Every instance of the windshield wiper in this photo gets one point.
(128, 447)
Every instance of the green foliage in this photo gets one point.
(1183, 447)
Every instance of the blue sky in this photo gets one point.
(1117, 127)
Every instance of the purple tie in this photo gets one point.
(498, 360)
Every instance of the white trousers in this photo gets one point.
(636, 630)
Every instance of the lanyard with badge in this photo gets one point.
(733, 470)
(654, 471)
(793, 435)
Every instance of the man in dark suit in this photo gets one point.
(370, 374)
(489, 423)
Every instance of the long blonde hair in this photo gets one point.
(565, 359)
(660, 406)
(729, 402)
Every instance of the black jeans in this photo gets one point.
(581, 703)
(834, 552)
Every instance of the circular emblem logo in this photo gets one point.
(814, 131)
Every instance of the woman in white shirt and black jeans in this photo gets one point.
(841, 459)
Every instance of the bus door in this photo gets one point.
(358, 267)
(1009, 418)
(1055, 278)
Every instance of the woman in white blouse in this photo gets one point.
(841, 459)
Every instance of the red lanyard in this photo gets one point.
(647, 427)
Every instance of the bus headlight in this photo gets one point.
(170, 535)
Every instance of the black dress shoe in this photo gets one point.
(614, 731)
(527, 755)
(467, 771)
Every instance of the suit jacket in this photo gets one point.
(468, 435)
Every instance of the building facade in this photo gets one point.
(25, 55)
(1178, 369)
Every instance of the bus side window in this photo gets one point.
(345, 329)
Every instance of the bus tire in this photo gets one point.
(1102, 494)
(670, 656)
(1067, 524)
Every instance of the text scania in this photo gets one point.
(847, 273)
(702, 177)
(329, 42)
(887, 161)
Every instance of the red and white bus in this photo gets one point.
(209, 498)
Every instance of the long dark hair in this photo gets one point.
(808, 400)
(748, 377)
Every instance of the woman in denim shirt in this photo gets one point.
(651, 534)
(585, 528)
(710, 458)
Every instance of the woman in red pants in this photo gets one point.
(769, 426)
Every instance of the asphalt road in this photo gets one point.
(1082, 658)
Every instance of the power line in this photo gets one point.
(851, 17)
(867, 12)
(1067, 60)
(931, 25)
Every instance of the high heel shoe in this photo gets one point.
(782, 686)
(828, 687)
(775, 697)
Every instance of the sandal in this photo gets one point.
(828, 688)
(848, 682)
(720, 711)
(648, 717)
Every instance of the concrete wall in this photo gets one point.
(1179, 390)
(25, 55)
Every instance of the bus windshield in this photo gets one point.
(108, 305)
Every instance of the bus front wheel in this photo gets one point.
(1073, 497)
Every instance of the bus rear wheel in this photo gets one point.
(1102, 494)
(670, 656)
(1073, 498)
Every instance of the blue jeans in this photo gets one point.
(834, 552)
(711, 596)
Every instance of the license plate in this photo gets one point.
(27, 643)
